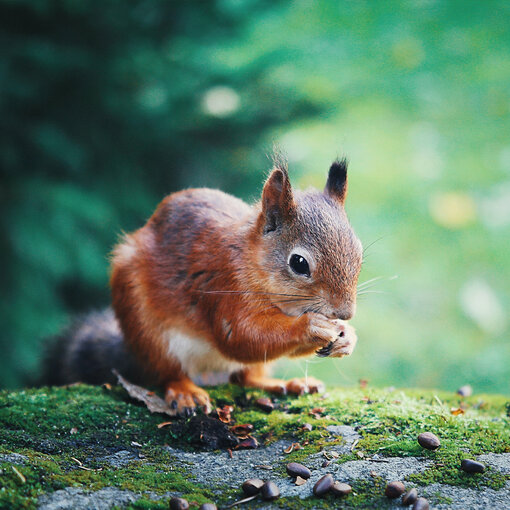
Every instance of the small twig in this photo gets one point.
(241, 501)
(353, 446)
(20, 475)
(265, 466)
(81, 466)
(89, 469)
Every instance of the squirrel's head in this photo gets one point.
(310, 254)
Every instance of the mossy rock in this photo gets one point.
(86, 446)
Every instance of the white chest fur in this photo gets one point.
(196, 355)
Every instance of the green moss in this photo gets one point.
(59, 428)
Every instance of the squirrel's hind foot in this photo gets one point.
(255, 377)
(300, 386)
(184, 396)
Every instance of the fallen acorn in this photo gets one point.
(394, 490)
(472, 466)
(323, 485)
(429, 441)
(410, 497)
(208, 506)
(270, 491)
(252, 486)
(178, 504)
(341, 489)
(421, 504)
(295, 469)
(265, 404)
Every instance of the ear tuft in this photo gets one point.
(277, 199)
(336, 186)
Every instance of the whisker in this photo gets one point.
(377, 278)
(291, 300)
(375, 281)
(372, 292)
(252, 293)
(365, 248)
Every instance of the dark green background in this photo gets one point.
(106, 106)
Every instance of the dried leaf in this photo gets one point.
(317, 412)
(456, 411)
(299, 480)
(242, 430)
(153, 403)
(224, 413)
(165, 424)
(292, 447)
(247, 444)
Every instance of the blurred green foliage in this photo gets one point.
(108, 106)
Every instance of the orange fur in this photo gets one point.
(192, 290)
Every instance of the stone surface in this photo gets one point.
(13, 458)
(461, 499)
(73, 498)
(120, 459)
(498, 461)
(349, 435)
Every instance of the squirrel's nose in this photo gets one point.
(346, 312)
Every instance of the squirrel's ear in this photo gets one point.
(277, 199)
(336, 186)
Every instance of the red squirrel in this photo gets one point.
(211, 284)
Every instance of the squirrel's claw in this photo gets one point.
(184, 397)
(325, 351)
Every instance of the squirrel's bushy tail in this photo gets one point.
(87, 351)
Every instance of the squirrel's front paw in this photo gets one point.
(324, 331)
(343, 345)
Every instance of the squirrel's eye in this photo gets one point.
(299, 265)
